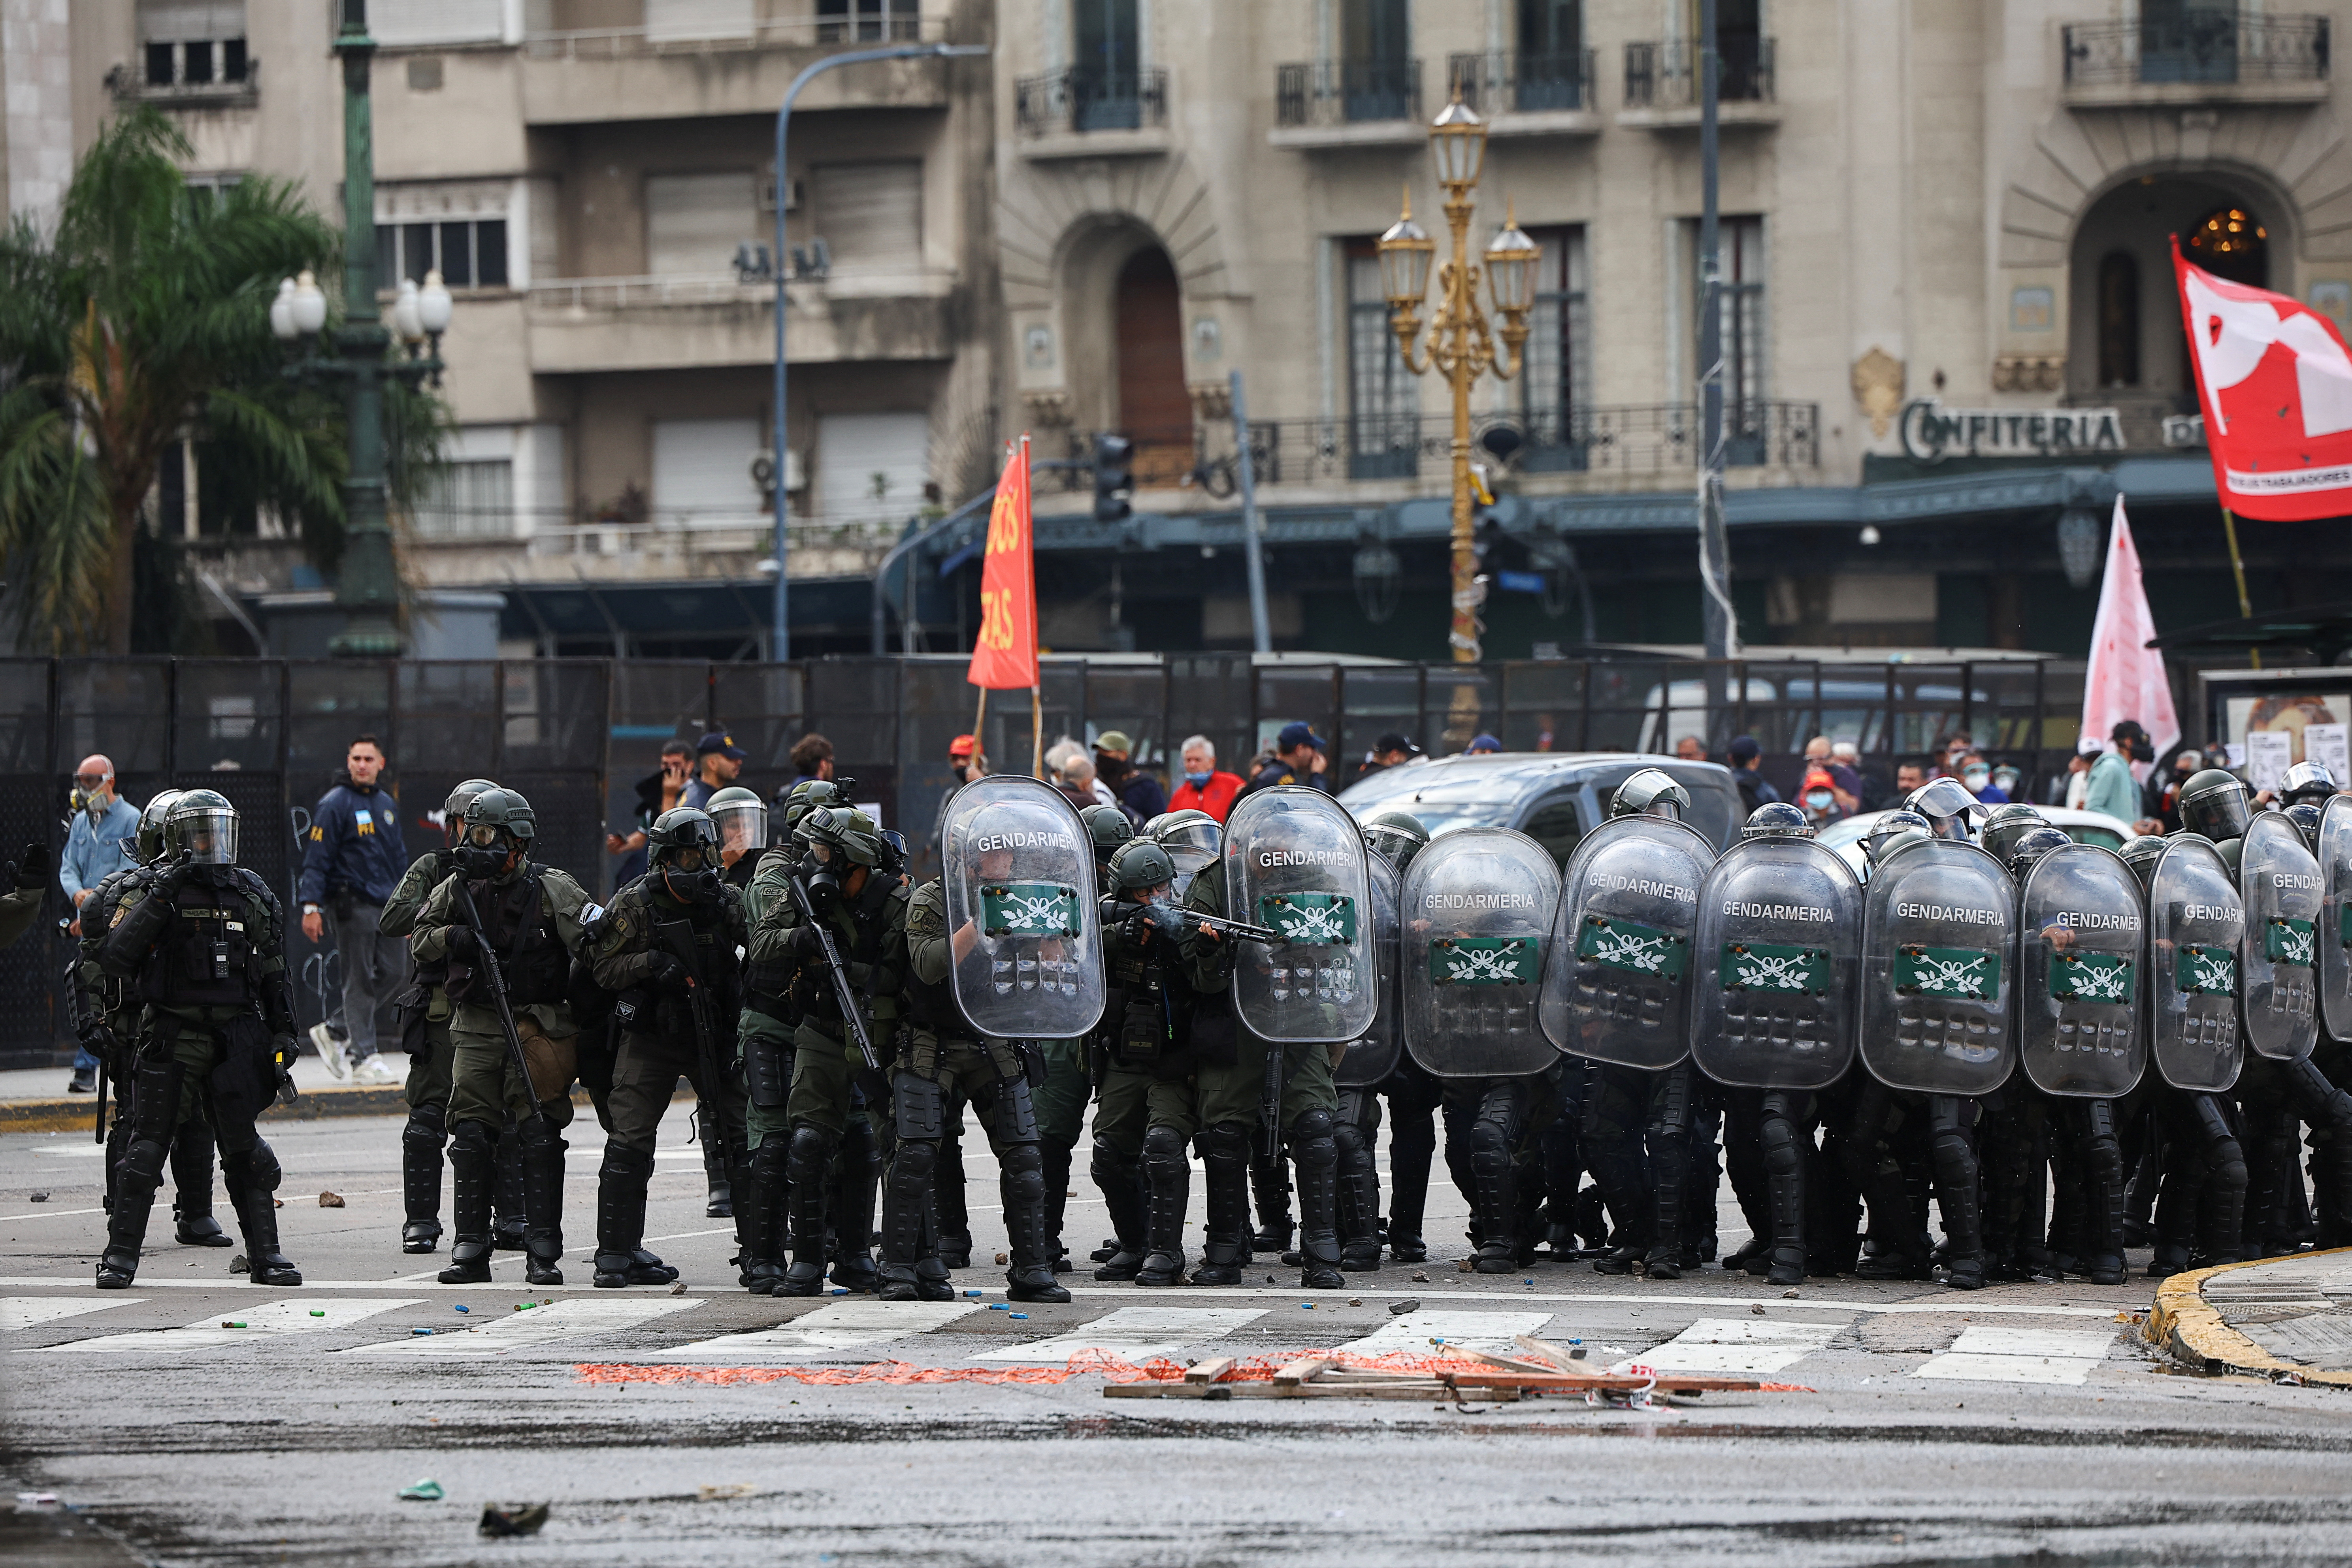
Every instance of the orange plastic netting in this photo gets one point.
(1084, 1363)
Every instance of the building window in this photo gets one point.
(472, 500)
(1741, 255)
(1550, 67)
(469, 253)
(206, 191)
(1384, 403)
(1376, 75)
(866, 21)
(193, 42)
(2119, 319)
(1108, 53)
(1555, 377)
(870, 214)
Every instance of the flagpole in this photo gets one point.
(1036, 735)
(979, 718)
(2237, 568)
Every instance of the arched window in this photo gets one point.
(2119, 319)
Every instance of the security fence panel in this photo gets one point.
(328, 702)
(935, 706)
(763, 707)
(1296, 693)
(1210, 694)
(1543, 706)
(228, 715)
(854, 703)
(1458, 704)
(1624, 693)
(116, 706)
(1375, 700)
(653, 702)
(1131, 699)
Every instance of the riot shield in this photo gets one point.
(1477, 906)
(1018, 872)
(1616, 982)
(1779, 955)
(2335, 944)
(2280, 881)
(1939, 947)
(1374, 1057)
(2195, 924)
(2081, 974)
(1295, 862)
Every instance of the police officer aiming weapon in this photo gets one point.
(1172, 923)
(676, 937)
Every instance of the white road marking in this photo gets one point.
(850, 1324)
(24, 1311)
(1752, 1345)
(49, 1214)
(1984, 1354)
(1494, 1332)
(1132, 1333)
(268, 1320)
(71, 1151)
(567, 1320)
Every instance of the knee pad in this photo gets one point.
(918, 1108)
(538, 1133)
(1670, 1105)
(1164, 1142)
(1108, 1167)
(144, 1160)
(1022, 1169)
(427, 1124)
(262, 1172)
(2225, 1163)
(810, 1154)
(624, 1163)
(1310, 1125)
(1777, 1135)
(1490, 1147)
(916, 1159)
(1349, 1137)
(472, 1140)
(1225, 1140)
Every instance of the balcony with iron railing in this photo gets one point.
(221, 77)
(1088, 111)
(1336, 103)
(1662, 82)
(657, 71)
(1519, 92)
(2198, 56)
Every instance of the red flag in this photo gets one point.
(2275, 383)
(2126, 678)
(1004, 655)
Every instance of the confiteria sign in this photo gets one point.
(1932, 432)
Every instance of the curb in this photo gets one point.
(75, 1114)
(2190, 1329)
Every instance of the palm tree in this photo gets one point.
(143, 322)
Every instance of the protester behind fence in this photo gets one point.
(1299, 758)
(2113, 790)
(351, 860)
(658, 791)
(812, 758)
(1821, 755)
(718, 763)
(97, 846)
(1137, 790)
(1392, 749)
(1747, 773)
(1204, 787)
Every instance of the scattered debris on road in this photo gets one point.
(513, 1518)
(426, 1491)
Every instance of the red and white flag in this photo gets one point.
(2126, 678)
(2275, 383)
(1005, 655)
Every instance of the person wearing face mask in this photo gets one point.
(97, 846)
(1204, 787)
(1976, 777)
(532, 916)
(2112, 789)
(1818, 797)
(669, 935)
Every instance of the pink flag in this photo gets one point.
(2126, 678)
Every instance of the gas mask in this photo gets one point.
(692, 875)
(821, 878)
(482, 853)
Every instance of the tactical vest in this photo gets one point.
(209, 954)
(522, 933)
(1151, 1017)
(933, 1007)
(869, 914)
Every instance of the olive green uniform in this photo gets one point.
(1148, 1109)
(19, 909)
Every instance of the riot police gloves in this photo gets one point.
(463, 945)
(664, 973)
(33, 867)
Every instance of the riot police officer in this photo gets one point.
(742, 818)
(1144, 1114)
(204, 943)
(1414, 1097)
(498, 916)
(667, 952)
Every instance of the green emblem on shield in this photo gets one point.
(1484, 960)
(1029, 908)
(1635, 948)
(1962, 973)
(1760, 966)
(2091, 977)
(1310, 920)
(2207, 971)
(2287, 942)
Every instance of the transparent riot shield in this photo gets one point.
(1616, 983)
(2082, 974)
(1373, 1057)
(1939, 953)
(2279, 994)
(1779, 956)
(1018, 872)
(1478, 907)
(1295, 862)
(2196, 925)
(2334, 934)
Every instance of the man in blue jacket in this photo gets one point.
(96, 849)
(351, 862)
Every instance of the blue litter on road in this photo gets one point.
(1022, 1316)
(421, 1334)
(463, 1307)
(998, 1307)
(841, 1289)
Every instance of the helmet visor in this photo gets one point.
(207, 838)
(1191, 846)
(742, 828)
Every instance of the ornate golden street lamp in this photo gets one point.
(1459, 345)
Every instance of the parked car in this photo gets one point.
(2096, 827)
(1553, 797)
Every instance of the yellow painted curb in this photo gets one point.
(2190, 1329)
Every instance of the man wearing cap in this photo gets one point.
(1137, 790)
(966, 759)
(1755, 789)
(1206, 788)
(2113, 790)
(1391, 751)
(718, 763)
(1298, 754)
(1482, 745)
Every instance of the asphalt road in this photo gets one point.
(2022, 1424)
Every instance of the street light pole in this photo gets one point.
(780, 622)
(367, 586)
(1721, 631)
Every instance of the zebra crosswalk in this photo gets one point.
(306, 1315)
(573, 1318)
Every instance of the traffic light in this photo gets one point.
(1114, 477)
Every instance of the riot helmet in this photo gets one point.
(1652, 792)
(1191, 839)
(742, 818)
(148, 847)
(2029, 847)
(891, 857)
(2006, 826)
(682, 847)
(1396, 837)
(1889, 825)
(2141, 854)
(201, 829)
(1950, 808)
(804, 797)
(1108, 827)
(1140, 867)
(499, 826)
(2213, 805)
(1882, 847)
(837, 845)
(2306, 815)
(1775, 819)
(453, 810)
(2307, 781)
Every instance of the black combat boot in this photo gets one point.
(253, 1177)
(420, 1142)
(810, 1165)
(720, 1182)
(1359, 1199)
(620, 1257)
(539, 1164)
(192, 1179)
(510, 1224)
(858, 1169)
(1021, 1183)
(931, 1282)
(1269, 1180)
(1318, 1155)
(471, 1157)
(760, 1266)
(135, 1181)
(1168, 1176)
